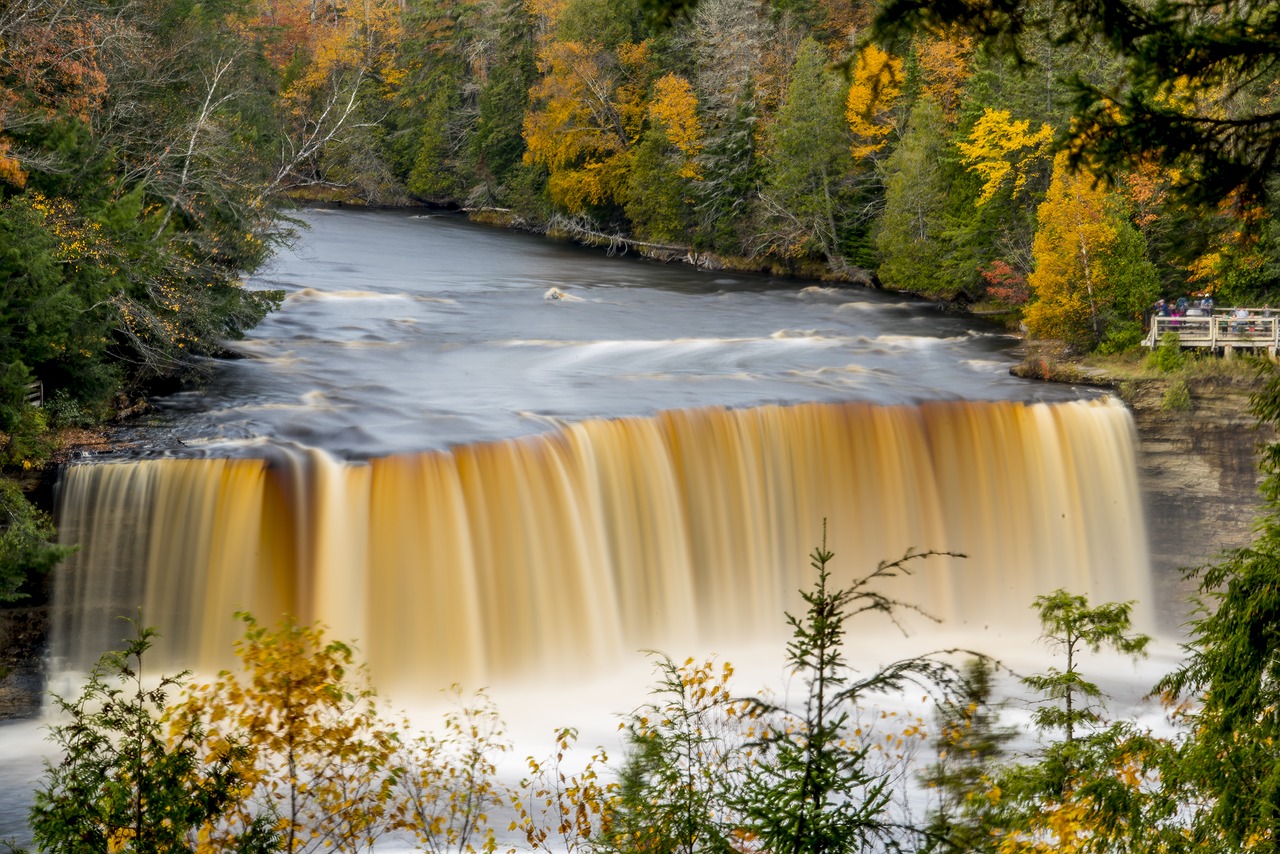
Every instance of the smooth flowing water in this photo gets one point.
(489, 456)
(406, 332)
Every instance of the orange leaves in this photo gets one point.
(999, 147)
(52, 60)
(944, 68)
(48, 65)
(1005, 284)
(311, 40)
(875, 88)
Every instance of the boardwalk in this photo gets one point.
(1226, 331)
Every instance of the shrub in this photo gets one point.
(1177, 397)
(1168, 357)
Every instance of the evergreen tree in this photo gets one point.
(729, 43)
(811, 788)
(911, 234)
(1193, 95)
(656, 194)
(497, 146)
(1086, 792)
(808, 162)
(1231, 677)
(730, 172)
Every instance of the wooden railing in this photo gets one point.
(1259, 329)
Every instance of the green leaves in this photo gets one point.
(122, 784)
(684, 763)
(1231, 677)
(26, 550)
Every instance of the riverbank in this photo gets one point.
(560, 227)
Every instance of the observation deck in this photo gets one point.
(1225, 331)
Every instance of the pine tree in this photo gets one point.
(812, 788)
(808, 162)
(911, 233)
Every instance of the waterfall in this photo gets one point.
(583, 545)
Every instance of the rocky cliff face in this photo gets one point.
(1198, 468)
(22, 640)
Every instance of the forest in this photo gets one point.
(1056, 164)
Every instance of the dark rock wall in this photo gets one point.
(1199, 476)
(22, 640)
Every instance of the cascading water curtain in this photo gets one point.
(581, 546)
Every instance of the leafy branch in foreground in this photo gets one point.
(684, 763)
(1089, 790)
(447, 782)
(970, 741)
(324, 758)
(122, 785)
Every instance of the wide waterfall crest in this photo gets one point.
(582, 545)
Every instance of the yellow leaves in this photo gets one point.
(875, 87)
(1057, 827)
(1071, 280)
(591, 109)
(318, 744)
(563, 811)
(675, 107)
(999, 147)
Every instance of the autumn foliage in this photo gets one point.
(873, 92)
(1089, 272)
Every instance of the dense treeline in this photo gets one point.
(145, 145)
(144, 149)
(779, 134)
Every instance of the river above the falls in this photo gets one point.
(405, 331)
